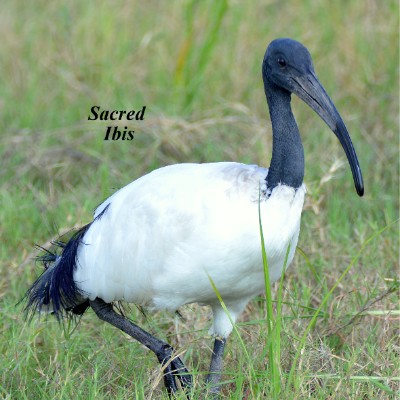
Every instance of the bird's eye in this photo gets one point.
(281, 62)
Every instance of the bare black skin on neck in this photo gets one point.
(287, 163)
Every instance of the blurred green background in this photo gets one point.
(196, 66)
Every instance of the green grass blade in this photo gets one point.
(242, 344)
(310, 265)
(223, 305)
(278, 319)
(194, 60)
(273, 333)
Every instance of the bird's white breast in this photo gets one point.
(166, 234)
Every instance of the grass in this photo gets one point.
(196, 66)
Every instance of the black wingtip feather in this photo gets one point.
(55, 288)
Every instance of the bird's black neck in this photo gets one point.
(287, 163)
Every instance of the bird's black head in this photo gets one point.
(288, 68)
(284, 60)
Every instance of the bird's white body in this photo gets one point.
(166, 234)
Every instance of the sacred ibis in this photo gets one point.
(159, 241)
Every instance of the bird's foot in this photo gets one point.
(174, 368)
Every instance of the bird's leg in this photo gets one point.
(214, 375)
(173, 367)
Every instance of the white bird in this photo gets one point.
(159, 241)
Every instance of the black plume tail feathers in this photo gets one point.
(55, 291)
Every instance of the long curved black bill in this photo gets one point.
(311, 91)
